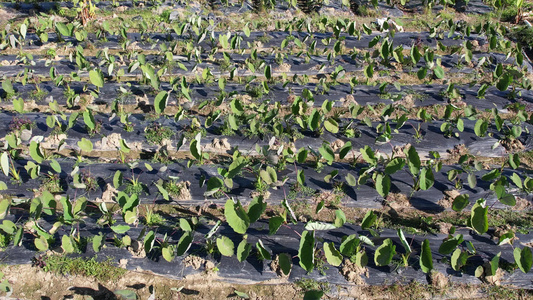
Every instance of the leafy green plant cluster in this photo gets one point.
(156, 133)
(63, 265)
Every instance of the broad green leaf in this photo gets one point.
(66, 244)
(301, 177)
(85, 145)
(41, 244)
(285, 263)
(413, 160)
(349, 245)
(368, 155)
(243, 250)
(506, 238)
(503, 83)
(340, 218)
(315, 225)
(405, 244)
(426, 178)
(415, 55)
(63, 29)
(333, 256)
(17, 238)
(514, 160)
(185, 225)
(345, 149)
(384, 253)
(383, 184)
(274, 223)
(262, 251)
(394, 165)
(55, 166)
(478, 218)
(160, 102)
(35, 152)
(4, 163)
(503, 196)
(225, 246)
(313, 295)
(361, 259)
(494, 264)
(97, 78)
(480, 128)
(472, 180)
(184, 243)
(88, 118)
(269, 175)
(18, 105)
(162, 191)
(168, 253)
(256, 209)
(98, 242)
(327, 153)
(350, 179)
(306, 251)
(67, 209)
(369, 71)
(460, 202)
(331, 125)
(439, 72)
(214, 184)
(421, 73)
(195, 149)
(449, 245)
(8, 227)
(369, 220)
(130, 217)
(268, 72)
(4, 207)
(458, 259)
(426, 259)
(302, 155)
(492, 175)
(117, 179)
(314, 120)
(236, 216)
(120, 229)
(523, 258)
(8, 86)
(149, 240)
(36, 207)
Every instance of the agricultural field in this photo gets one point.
(266, 149)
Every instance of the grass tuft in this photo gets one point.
(63, 265)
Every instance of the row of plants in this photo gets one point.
(312, 252)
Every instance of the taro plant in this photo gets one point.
(93, 127)
(196, 151)
(380, 174)
(129, 207)
(452, 122)
(215, 184)
(406, 246)
(422, 174)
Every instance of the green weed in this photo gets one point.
(155, 133)
(63, 265)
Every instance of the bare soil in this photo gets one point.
(33, 283)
